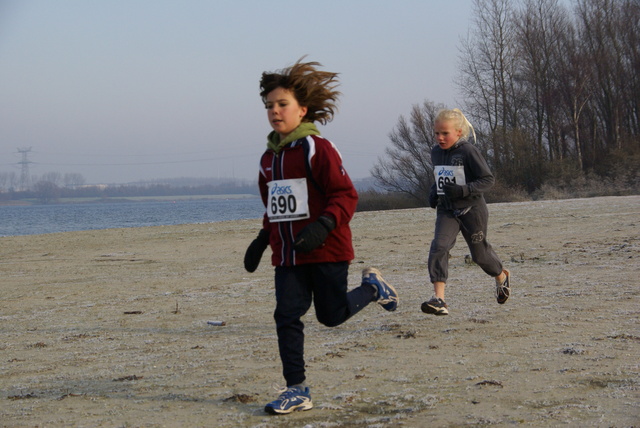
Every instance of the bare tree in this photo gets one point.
(540, 25)
(407, 167)
(600, 36)
(630, 40)
(610, 34)
(47, 191)
(52, 177)
(4, 179)
(488, 59)
(13, 180)
(73, 180)
(573, 80)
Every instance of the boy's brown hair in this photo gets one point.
(313, 89)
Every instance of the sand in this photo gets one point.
(109, 328)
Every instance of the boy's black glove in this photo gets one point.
(433, 197)
(453, 191)
(314, 234)
(254, 252)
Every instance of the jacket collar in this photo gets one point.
(303, 130)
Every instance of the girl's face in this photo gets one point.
(446, 134)
(283, 111)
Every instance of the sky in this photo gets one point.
(124, 91)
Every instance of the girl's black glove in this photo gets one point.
(254, 252)
(454, 191)
(433, 197)
(314, 234)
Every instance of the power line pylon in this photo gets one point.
(24, 173)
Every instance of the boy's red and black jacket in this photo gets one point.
(330, 191)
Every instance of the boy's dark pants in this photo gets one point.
(473, 226)
(296, 287)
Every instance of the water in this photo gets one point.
(38, 219)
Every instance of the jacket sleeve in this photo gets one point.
(264, 191)
(482, 178)
(328, 171)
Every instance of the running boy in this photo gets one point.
(309, 200)
(461, 177)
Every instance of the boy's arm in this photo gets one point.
(328, 171)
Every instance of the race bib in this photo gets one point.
(445, 174)
(288, 200)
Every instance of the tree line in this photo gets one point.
(554, 96)
(53, 186)
(11, 181)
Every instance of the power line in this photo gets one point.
(145, 163)
(235, 148)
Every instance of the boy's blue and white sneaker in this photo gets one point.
(386, 295)
(291, 399)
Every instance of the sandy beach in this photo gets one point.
(110, 328)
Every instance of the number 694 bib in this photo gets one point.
(446, 174)
(288, 200)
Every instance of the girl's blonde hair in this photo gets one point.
(459, 122)
(312, 88)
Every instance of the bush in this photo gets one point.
(500, 192)
(373, 200)
(567, 183)
(589, 186)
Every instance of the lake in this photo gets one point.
(38, 219)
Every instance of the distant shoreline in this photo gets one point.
(93, 200)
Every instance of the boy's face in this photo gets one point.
(283, 111)
(446, 134)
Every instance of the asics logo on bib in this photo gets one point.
(280, 190)
(446, 172)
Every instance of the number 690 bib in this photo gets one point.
(288, 200)
(445, 174)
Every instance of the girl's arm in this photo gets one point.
(482, 178)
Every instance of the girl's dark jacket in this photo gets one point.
(478, 176)
(331, 193)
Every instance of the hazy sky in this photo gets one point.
(128, 90)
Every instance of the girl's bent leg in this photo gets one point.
(474, 231)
